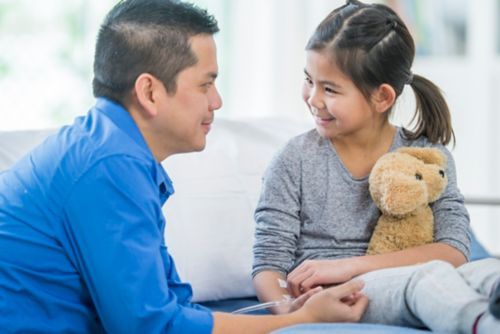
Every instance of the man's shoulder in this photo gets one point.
(75, 149)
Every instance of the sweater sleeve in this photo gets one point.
(277, 215)
(450, 215)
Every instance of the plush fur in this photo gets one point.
(403, 184)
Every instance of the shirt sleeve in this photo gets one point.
(451, 218)
(277, 215)
(113, 220)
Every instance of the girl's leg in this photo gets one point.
(386, 291)
(481, 275)
(439, 295)
(495, 301)
(484, 277)
(432, 295)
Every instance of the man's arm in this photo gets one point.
(324, 306)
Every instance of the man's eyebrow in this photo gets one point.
(323, 82)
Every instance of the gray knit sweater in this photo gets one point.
(312, 208)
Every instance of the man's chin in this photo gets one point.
(190, 147)
(200, 146)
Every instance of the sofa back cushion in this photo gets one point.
(210, 224)
(15, 144)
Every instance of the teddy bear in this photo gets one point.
(402, 184)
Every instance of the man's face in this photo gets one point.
(186, 116)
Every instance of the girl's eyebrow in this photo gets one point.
(323, 82)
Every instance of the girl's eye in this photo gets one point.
(308, 81)
(330, 90)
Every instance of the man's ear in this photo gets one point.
(146, 90)
(384, 97)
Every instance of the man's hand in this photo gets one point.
(301, 300)
(342, 303)
(312, 273)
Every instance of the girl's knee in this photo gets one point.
(490, 263)
(437, 264)
(435, 267)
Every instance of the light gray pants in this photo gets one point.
(434, 295)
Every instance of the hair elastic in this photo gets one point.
(409, 80)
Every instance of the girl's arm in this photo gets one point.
(424, 253)
(277, 227)
(312, 273)
(268, 289)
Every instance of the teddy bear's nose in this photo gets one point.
(441, 172)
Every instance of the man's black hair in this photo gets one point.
(146, 36)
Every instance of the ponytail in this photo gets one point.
(432, 115)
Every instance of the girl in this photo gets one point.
(315, 215)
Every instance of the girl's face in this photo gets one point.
(337, 105)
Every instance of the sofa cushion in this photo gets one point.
(348, 329)
(15, 144)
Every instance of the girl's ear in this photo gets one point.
(384, 98)
(145, 91)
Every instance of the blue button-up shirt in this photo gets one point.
(81, 236)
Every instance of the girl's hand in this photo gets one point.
(312, 273)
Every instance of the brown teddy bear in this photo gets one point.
(402, 184)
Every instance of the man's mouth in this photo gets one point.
(207, 125)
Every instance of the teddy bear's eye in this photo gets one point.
(441, 172)
(418, 176)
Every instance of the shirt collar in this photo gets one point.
(165, 184)
(121, 117)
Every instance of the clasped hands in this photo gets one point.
(313, 276)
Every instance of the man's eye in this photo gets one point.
(330, 90)
(309, 81)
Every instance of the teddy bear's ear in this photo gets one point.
(428, 155)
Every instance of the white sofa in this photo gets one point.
(210, 217)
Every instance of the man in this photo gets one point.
(81, 227)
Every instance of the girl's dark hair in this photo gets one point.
(372, 46)
(146, 36)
